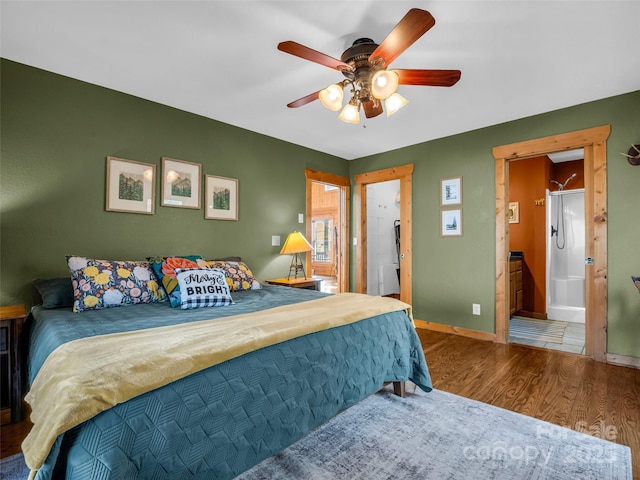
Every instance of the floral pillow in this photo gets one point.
(164, 268)
(101, 284)
(238, 275)
(202, 287)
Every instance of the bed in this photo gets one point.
(220, 419)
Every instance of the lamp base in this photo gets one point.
(296, 265)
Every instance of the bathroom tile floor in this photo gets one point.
(572, 340)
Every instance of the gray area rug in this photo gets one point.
(433, 435)
(437, 436)
(533, 329)
(13, 468)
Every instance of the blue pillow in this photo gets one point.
(53, 292)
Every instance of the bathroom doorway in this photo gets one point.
(594, 142)
(547, 251)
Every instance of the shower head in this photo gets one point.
(562, 185)
(571, 177)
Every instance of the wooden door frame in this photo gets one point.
(594, 142)
(404, 174)
(344, 200)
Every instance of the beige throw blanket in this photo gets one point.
(84, 377)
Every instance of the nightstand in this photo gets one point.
(307, 283)
(11, 323)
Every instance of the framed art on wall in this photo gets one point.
(451, 223)
(222, 198)
(451, 191)
(514, 212)
(180, 183)
(130, 186)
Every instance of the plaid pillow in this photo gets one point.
(202, 287)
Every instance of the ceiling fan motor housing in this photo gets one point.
(358, 57)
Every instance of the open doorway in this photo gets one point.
(593, 140)
(547, 251)
(328, 229)
(383, 238)
(404, 252)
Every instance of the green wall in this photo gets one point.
(449, 274)
(57, 132)
(56, 135)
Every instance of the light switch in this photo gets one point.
(275, 240)
(301, 218)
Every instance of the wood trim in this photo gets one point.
(596, 276)
(554, 143)
(344, 185)
(404, 174)
(623, 360)
(502, 251)
(406, 238)
(324, 177)
(464, 332)
(593, 140)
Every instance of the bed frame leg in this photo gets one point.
(399, 388)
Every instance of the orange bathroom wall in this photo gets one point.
(528, 180)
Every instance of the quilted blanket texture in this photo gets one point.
(84, 377)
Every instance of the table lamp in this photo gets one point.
(295, 244)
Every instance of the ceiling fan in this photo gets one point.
(364, 66)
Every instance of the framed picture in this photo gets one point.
(222, 198)
(451, 223)
(180, 183)
(451, 191)
(130, 186)
(514, 212)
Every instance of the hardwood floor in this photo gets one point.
(561, 388)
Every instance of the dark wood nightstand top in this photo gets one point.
(308, 283)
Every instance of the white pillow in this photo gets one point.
(203, 287)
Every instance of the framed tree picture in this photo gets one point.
(451, 223)
(130, 186)
(181, 184)
(451, 191)
(222, 198)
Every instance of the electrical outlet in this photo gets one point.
(301, 218)
(476, 309)
(275, 240)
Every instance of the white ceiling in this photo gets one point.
(219, 59)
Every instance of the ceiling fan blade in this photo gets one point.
(433, 78)
(412, 26)
(304, 100)
(307, 53)
(372, 109)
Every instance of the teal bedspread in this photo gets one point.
(219, 422)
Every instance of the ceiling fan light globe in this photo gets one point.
(384, 83)
(350, 113)
(394, 103)
(331, 97)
